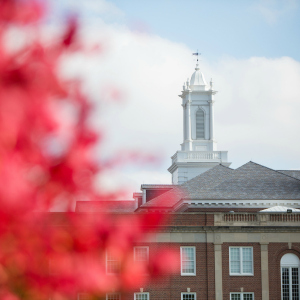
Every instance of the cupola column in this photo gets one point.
(184, 122)
(189, 135)
(211, 119)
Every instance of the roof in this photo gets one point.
(250, 181)
(207, 179)
(197, 78)
(279, 209)
(157, 186)
(293, 173)
(105, 206)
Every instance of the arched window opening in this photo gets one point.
(290, 264)
(200, 124)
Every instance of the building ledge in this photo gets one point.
(256, 219)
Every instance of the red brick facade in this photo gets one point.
(199, 230)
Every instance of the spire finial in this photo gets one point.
(197, 64)
(211, 84)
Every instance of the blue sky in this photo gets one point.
(250, 48)
(236, 28)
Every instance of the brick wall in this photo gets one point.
(170, 288)
(192, 219)
(248, 283)
(275, 253)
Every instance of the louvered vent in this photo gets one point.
(200, 124)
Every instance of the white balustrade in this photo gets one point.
(203, 155)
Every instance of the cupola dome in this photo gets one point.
(198, 81)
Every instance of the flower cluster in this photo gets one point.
(45, 159)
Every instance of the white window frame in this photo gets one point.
(181, 260)
(107, 295)
(110, 273)
(242, 295)
(82, 294)
(135, 295)
(186, 293)
(290, 265)
(241, 262)
(139, 247)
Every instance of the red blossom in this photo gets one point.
(45, 158)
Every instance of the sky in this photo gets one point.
(251, 50)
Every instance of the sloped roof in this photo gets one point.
(293, 173)
(250, 181)
(205, 180)
(253, 181)
(105, 206)
(158, 186)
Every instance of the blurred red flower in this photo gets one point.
(45, 255)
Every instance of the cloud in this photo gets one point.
(273, 10)
(256, 110)
(257, 114)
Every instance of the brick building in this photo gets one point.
(236, 231)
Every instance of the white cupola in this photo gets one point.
(199, 149)
(198, 82)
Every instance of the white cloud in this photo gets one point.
(273, 10)
(256, 110)
(257, 114)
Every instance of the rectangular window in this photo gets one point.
(188, 296)
(141, 253)
(188, 261)
(241, 260)
(141, 296)
(113, 296)
(112, 264)
(241, 296)
(290, 283)
(84, 296)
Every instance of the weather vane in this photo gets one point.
(197, 54)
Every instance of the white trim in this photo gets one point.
(242, 294)
(181, 257)
(81, 294)
(246, 203)
(139, 247)
(186, 293)
(106, 264)
(148, 295)
(241, 261)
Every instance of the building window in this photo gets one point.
(241, 260)
(188, 261)
(200, 124)
(112, 264)
(141, 254)
(84, 296)
(290, 264)
(241, 296)
(141, 296)
(188, 296)
(113, 296)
